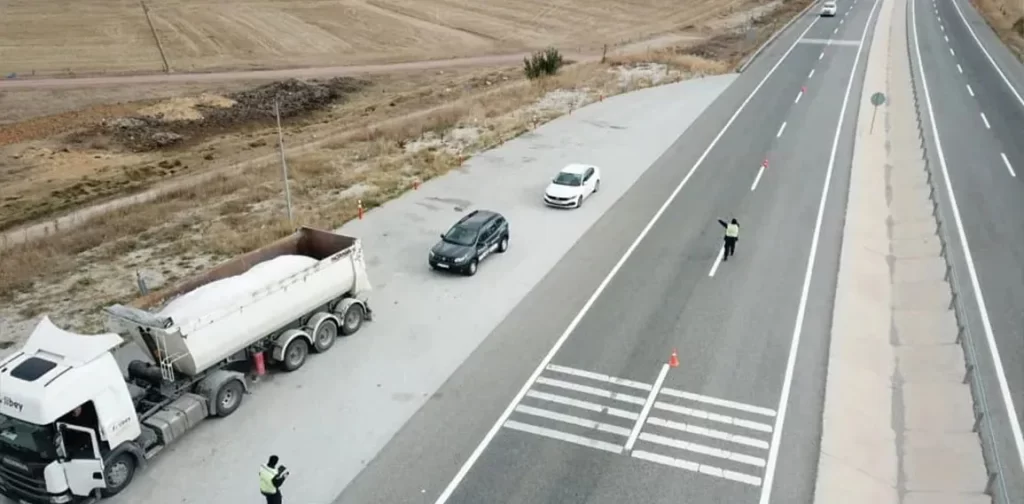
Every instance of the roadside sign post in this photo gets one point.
(877, 100)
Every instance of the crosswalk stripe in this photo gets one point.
(599, 377)
(695, 467)
(711, 433)
(584, 389)
(714, 417)
(576, 403)
(582, 422)
(702, 449)
(563, 436)
(719, 402)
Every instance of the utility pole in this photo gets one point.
(284, 163)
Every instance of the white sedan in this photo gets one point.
(829, 8)
(572, 185)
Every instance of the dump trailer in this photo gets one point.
(74, 428)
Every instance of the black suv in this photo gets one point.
(469, 241)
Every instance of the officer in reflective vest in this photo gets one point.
(732, 235)
(271, 479)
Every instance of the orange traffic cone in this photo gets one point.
(673, 361)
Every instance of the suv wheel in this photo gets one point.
(503, 244)
(471, 269)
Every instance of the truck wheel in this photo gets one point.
(353, 319)
(325, 336)
(118, 473)
(229, 397)
(295, 355)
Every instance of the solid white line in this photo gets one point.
(969, 90)
(1004, 387)
(711, 433)
(779, 134)
(586, 405)
(983, 118)
(698, 468)
(787, 380)
(959, 68)
(987, 55)
(760, 172)
(702, 449)
(585, 389)
(574, 420)
(599, 377)
(757, 410)
(718, 261)
(563, 436)
(810, 74)
(478, 451)
(714, 417)
(647, 408)
(1007, 163)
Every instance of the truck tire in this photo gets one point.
(352, 320)
(118, 473)
(325, 336)
(295, 355)
(229, 397)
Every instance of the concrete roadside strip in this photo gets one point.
(897, 419)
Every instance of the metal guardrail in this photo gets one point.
(996, 485)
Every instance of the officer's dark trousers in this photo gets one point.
(730, 247)
(273, 498)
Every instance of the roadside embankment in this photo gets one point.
(897, 420)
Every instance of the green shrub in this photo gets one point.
(546, 62)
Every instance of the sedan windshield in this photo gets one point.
(460, 236)
(22, 436)
(569, 179)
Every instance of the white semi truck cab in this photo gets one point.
(75, 428)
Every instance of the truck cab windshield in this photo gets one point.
(20, 436)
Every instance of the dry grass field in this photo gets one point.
(372, 140)
(46, 38)
(1006, 17)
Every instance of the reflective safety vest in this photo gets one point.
(267, 475)
(732, 231)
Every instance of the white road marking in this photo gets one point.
(757, 410)
(787, 380)
(943, 28)
(983, 118)
(798, 95)
(994, 65)
(584, 389)
(836, 30)
(959, 68)
(647, 408)
(574, 420)
(714, 417)
(1008, 166)
(586, 405)
(711, 433)
(951, 51)
(563, 436)
(946, 37)
(599, 377)
(702, 449)
(822, 55)
(986, 322)
(478, 451)
(718, 261)
(698, 468)
(841, 21)
(810, 74)
(760, 171)
(779, 134)
(969, 90)
(830, 41)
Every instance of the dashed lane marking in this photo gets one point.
(831, 42)
(969, 90)
(985, 119)
(1008, 166)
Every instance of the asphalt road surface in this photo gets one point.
(709, 430)
(975, 87)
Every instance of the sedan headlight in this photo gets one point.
(432, 254)
(463, 258)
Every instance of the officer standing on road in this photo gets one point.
(732, 235)
(271, 479)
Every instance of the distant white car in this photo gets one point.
(572, 185)
(828, 8)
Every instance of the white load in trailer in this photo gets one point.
(68, 414)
